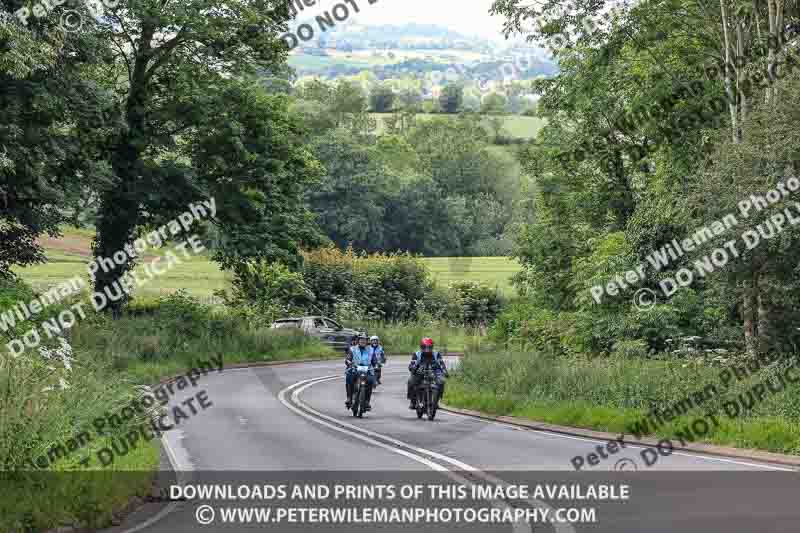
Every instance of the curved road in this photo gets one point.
(288, 422)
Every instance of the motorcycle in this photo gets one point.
(378, 370)
(427, 393)
(360, 386)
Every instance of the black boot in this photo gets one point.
(367, 406)
(349, 402)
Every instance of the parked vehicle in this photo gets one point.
(325, 329)
(427, 393)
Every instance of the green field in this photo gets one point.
(69, 255)
(318, 63)
(516, 126)
(494, 271)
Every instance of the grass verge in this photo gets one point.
(613, 395)
(405, 337)
(50, 396)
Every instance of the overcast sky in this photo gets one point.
(466, 16)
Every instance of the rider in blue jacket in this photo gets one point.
(360, 355)
(425, 356)
(380, 355)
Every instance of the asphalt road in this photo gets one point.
(284, 424)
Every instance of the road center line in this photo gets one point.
(408, 450)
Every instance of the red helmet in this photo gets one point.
(426, 342)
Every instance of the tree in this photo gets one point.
(381, 99)
(252, 160)
(451, 99)
(177, 59)
(454, 152)
(658, 112)
(51, 120)
(350, 202)
(350, 109)
(494, 104)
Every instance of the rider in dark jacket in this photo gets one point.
(353, 342)
(425, 356)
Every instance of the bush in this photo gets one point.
(527, 326)
(328, 274)
(365, 287)
(433, 306)
(390, 285)
(358, 287)
(263, 292)
(473, 303)
(491, 247)
(630, 349)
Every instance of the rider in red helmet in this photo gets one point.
(425, 356)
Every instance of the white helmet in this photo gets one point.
(374, 338)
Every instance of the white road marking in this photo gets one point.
(183, 477)
(555, 435)
(633, 446)
(372, 438)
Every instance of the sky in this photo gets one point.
(470, 17)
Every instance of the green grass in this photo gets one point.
(516, 126)
(109, 358)
(521, 127)
(493, 271)
(611, 394)
(45, 501)
(404, 338)
(312, 63)
(200, 277)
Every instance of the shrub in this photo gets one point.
(262, 292)
(473, 303)
(365, 287)
(628, 348)
(328, 274)
(433, 306)
(390, 285)
(527, 326)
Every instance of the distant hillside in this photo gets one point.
(394, 36)
(392, 51)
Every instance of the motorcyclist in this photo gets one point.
(353, 342)
(360, 355)
(380, 355)
(425, 356)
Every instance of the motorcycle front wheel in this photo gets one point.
(356, 395)
(431, 406)
(362, 400)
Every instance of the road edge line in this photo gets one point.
(699, 449)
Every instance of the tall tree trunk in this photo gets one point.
(749, 314)
(775, 14)
(765, 337)
(728, 74)
(120, 209)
